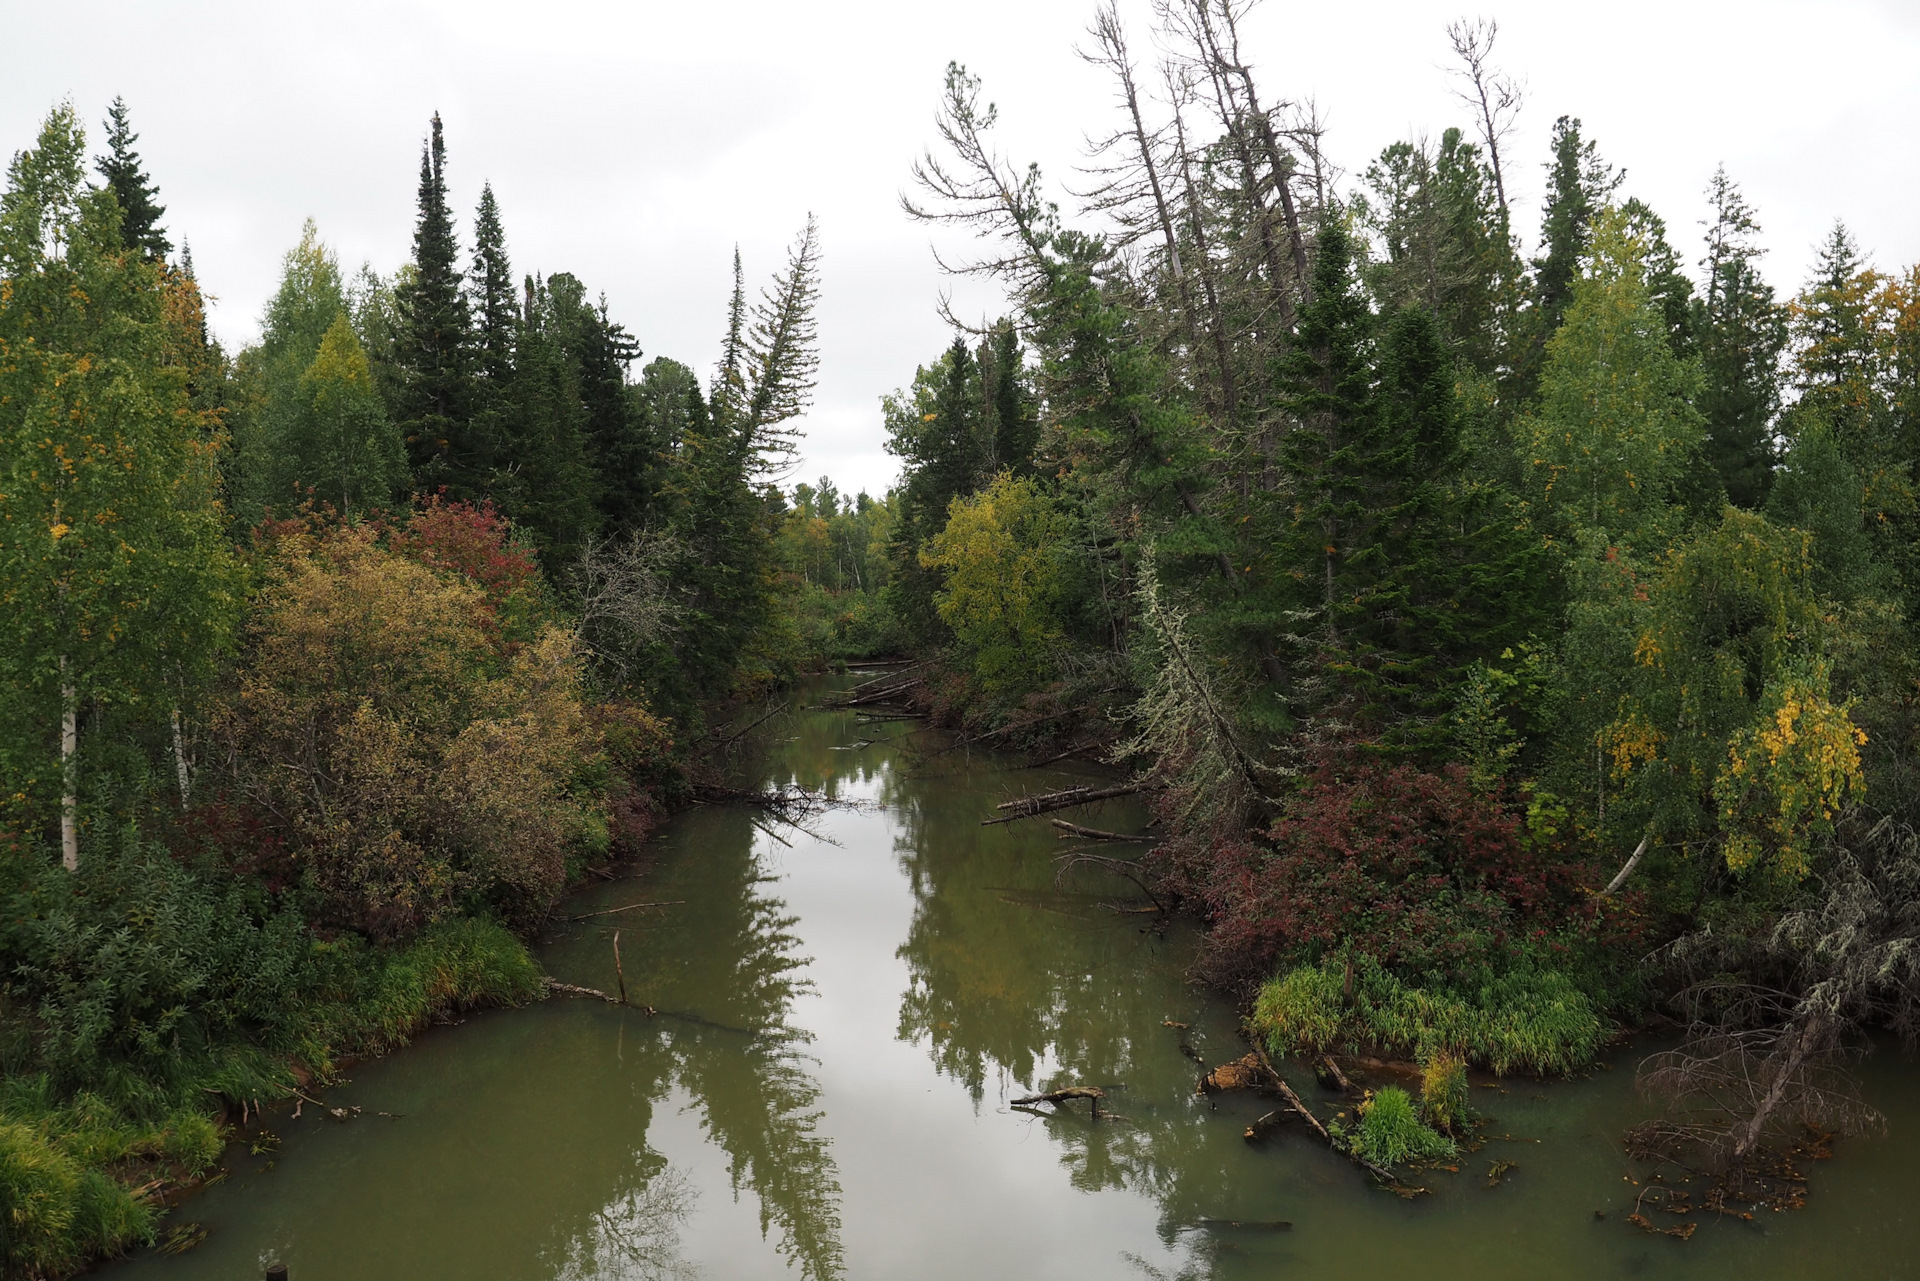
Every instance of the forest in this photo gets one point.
(1513, 635)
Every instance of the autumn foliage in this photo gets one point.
(1418, 870)
(413, 759)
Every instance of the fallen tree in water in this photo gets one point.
(1045, 802)
(1767, 1054)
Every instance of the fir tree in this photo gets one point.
(1741, 332)
(126, 178)
(434, 348)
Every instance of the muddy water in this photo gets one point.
(842, 1019)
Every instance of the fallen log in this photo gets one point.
(555, 987)
(1093, 833)
(1044, 802)
(1091, 1093)
(1329, 1073)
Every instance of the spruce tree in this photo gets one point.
(493, 293)
(126, 178)
(1016, 427)
(545, 478)
(1579, 186)
(434, 348)
(1741, 331)
(1387, 577)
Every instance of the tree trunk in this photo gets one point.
(180, 760)
(69, 772)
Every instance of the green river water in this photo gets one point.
(824, 1093)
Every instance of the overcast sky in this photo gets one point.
(635, 144)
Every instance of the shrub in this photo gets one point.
(1391, 1132)
(416, 760)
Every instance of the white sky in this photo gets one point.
(635, 144)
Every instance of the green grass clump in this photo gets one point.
(1443, 1092)
(1527, 1019)
(1391, 1132)
(456, 965)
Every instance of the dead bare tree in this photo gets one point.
(625, 604)
(1493, 96)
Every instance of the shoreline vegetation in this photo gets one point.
(1515, 641)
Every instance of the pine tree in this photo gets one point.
(121, 167)
(1399, 578)
(1741, 332)
(1817, 489)
(435, 340)
(1579, 186)
(1667, 285)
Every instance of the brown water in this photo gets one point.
(823, 1094)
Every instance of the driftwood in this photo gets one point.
(1093, 833)
(1091, 1093)
(880, 689)
(555, 987)
(1292, 1100)
(1044, 802)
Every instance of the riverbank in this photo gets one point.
(842, 1021)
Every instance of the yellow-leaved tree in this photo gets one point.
(1006, 555)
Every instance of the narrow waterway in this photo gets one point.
(843, 1016)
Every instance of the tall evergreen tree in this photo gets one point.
(434, 348)
(127, 179)
(1579, 186)
(493, 293)
(544, 478)
(313, 423)
(1741, 331)
(1016, 425)
(1400, 577)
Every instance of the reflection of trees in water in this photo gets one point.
(1044, 986)
(636, 1236)
(734, 966)
(723, 969)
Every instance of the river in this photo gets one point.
(843, 1015)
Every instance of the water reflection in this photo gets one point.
(636, 1237)
(1038, 985)
(723, 968)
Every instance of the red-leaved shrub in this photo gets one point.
(1419, 870)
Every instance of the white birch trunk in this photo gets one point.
(69, 772)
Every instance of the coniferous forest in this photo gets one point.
(1511, 628)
